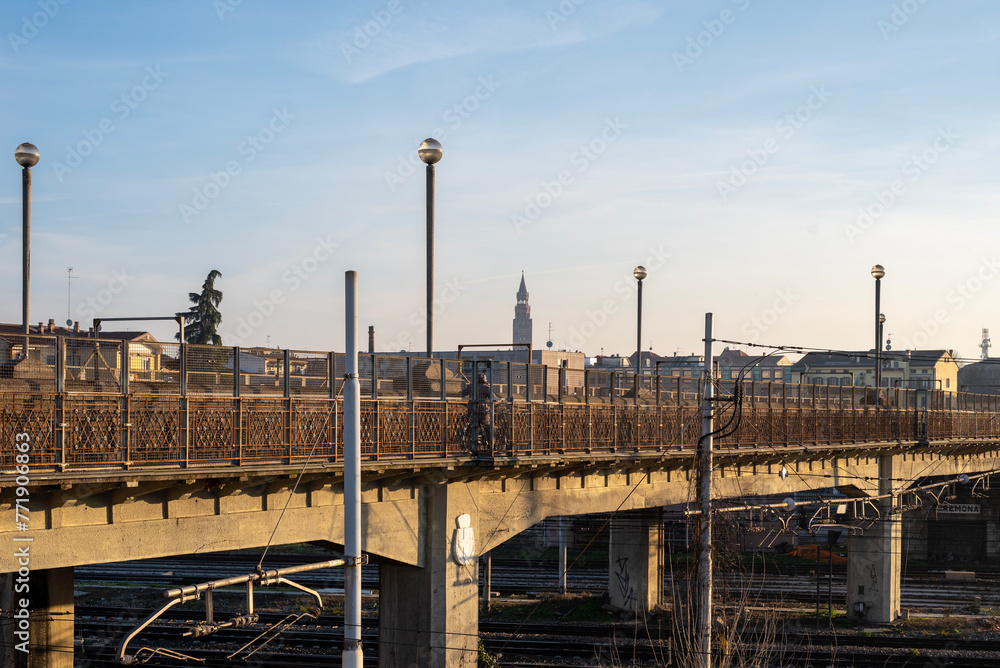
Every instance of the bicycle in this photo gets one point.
(474, 437)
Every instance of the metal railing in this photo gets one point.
(92, 403)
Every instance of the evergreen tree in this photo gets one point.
(203, 318)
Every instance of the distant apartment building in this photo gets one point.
(730, 364)
(905, 369)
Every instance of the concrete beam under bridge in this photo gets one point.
(408, 510)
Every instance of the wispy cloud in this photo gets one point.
(386, 40)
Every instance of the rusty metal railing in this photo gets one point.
(90, 403)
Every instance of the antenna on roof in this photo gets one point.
(548, 344)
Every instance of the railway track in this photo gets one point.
(319, 642)
(515, 578)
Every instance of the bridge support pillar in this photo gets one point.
(874, 563)
(50, 624)
(635, 582)
(430, 616)
(875, 559)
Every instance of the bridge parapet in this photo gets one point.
(92, 403)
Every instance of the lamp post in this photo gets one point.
(430, 152)
(639, 273)
(878, 271)
(27, 156)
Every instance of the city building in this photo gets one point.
(905, 369)
(730, 364)
(980, 378)
(733, 364)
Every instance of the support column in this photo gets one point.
(874, 559)
(636, 557)
(50, 604)
(874, 563)
(429, 616)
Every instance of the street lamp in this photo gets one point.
(881, 329)
(639, 273)
(430, 152)
(878, 271)
(27, 156)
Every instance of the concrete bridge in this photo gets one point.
(140, 450)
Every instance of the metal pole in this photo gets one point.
(25, 247)
(638, 337)
(430, 260)
(878, 341)
(487, 581)
(829, 586)
(817, 585)
(562, 555)
(704, 620)
(352, 657)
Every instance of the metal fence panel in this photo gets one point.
(310, 375)
(93, 365)
(154, 368)
(210, 370)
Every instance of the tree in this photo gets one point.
(203, 318)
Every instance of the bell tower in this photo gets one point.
(522, 315)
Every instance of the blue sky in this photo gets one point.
(758, 157)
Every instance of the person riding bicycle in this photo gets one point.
(479, 412)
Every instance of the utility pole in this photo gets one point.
(351, 655)
(703, 629)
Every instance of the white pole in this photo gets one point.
(352, 656)
(704, 620)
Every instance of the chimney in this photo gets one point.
(76, 327)
(41, 328)
(371, 339)
(52, 325)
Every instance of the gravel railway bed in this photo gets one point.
(315, 645)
